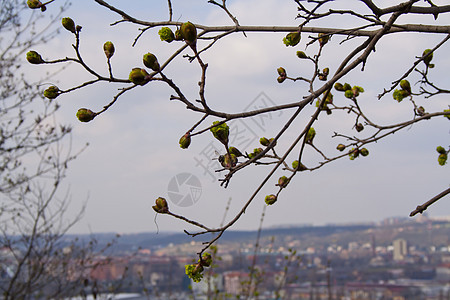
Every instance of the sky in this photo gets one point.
(133, 155)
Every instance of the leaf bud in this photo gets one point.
(359, 127)
(271, 140)
(34, 58)
(138, 76)
(364, 152)
(298, 166)
(85, 115)
(326, 71)
(150, 61)
(353, 153)
(349, 94)
(206, 260)
(281, 79)
(292, 39)
(447, 115)
(228, 161)
(399, 95)
(405, 85)
(185, 141)
(281, 71)
(109, 49)
(166, 34)
(189, 33)
(347, 87)
(339, 87)
(340, 147)
(310, 135)
(270, 199)
(283, 181)
(51, 92)
(264, 141)
(68, 24)
(421, 111)
(33, 4)
(323, 39)
(441, 150)
(178, 36)
(301, 54)
(442, 159)
(235, 151)
(221, 132)
(428, 59)
(161, 206)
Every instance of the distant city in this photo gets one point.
(395, 259)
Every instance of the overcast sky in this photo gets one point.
(133, 156)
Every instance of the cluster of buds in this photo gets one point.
(354, 153)
(404, 92)
(194, 271)
(255, 152)
(282, 75)
(324, 75)
(292, 39)
(328, 100)
(161, 206)
(228, 161)
(443, 155)
(349, 91)
(221, 132)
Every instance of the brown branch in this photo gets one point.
(423, 207)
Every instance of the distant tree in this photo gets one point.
(36, 260)
(321, 88)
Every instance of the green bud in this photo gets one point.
(109, 49)
(357, 89)
(359, 127)
(354, 153)
(264, 141)
(185, 141)
(206, 259)
(33, 4)
(34, 58)
(340, 147)
(138, 76)
(399, 95)
(151, 62)
(221, 132)
(339, 87)
(271, 140)
(235, 151)
(442, 159)
(301, 54)
(349, 94)
(404, 84)
(310, 135)
(428, 59)
(257, 151)
(441, 150)
(298, 166)
(281, 71)
(326, 71)
(281, 79)
(161, 206)
(228, 161)
(283, 181)
(166, 34)
(51, 92)
(68, 24)
(178, 36)
(85, 115)
(347, 87)
(447, 115)
(292, 39)
(189, 33)
(323, 38)
(364, 152)
(270, 199)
